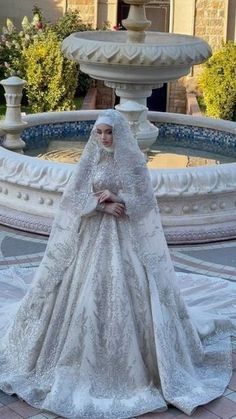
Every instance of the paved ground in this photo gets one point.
(217, 259)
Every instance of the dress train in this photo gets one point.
(115, 338)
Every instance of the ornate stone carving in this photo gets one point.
(50, 176)
(195, 234)
(26, 222)
(158, 51)
(208, 194)
(31, 172)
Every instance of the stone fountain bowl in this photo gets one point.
(106, 55)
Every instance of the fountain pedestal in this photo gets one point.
(136, 113)
(133, 99)
(13, 125)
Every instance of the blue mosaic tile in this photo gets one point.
(204, 139)
(40, 135)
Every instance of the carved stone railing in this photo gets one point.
(196, 204)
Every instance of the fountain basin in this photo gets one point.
(196, 204)
(106, 55)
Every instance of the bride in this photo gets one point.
(103, 331)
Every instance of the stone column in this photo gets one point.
(13, 124)
(133, 99)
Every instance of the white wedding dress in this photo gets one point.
(103, 331)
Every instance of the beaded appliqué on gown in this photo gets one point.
(106, 174)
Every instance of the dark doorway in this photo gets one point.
(157, 102)
(122, 11)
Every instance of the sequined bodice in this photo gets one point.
(106, 175)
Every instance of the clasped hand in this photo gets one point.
(112, 203)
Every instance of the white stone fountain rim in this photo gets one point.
(52, 176)
(102, 47)
(173, 39)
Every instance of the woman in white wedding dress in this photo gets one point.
(103, 331)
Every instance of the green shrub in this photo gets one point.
(12, 45)
(218, 83)
(67, 24)
(70, 22)
(13, 50)
(51, 78)
(10, 50)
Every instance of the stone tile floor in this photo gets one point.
(215, 259)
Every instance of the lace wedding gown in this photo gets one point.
(114, 339)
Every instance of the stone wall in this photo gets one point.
(17, 9)
(87, 10)
(105, 96)
(211, 25)
(52, 10)
(177, 97)
(211, 20)
(107, 13)
(206, 19)
(231, 26)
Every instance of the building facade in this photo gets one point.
(212, 20)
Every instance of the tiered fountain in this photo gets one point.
(134, 62)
